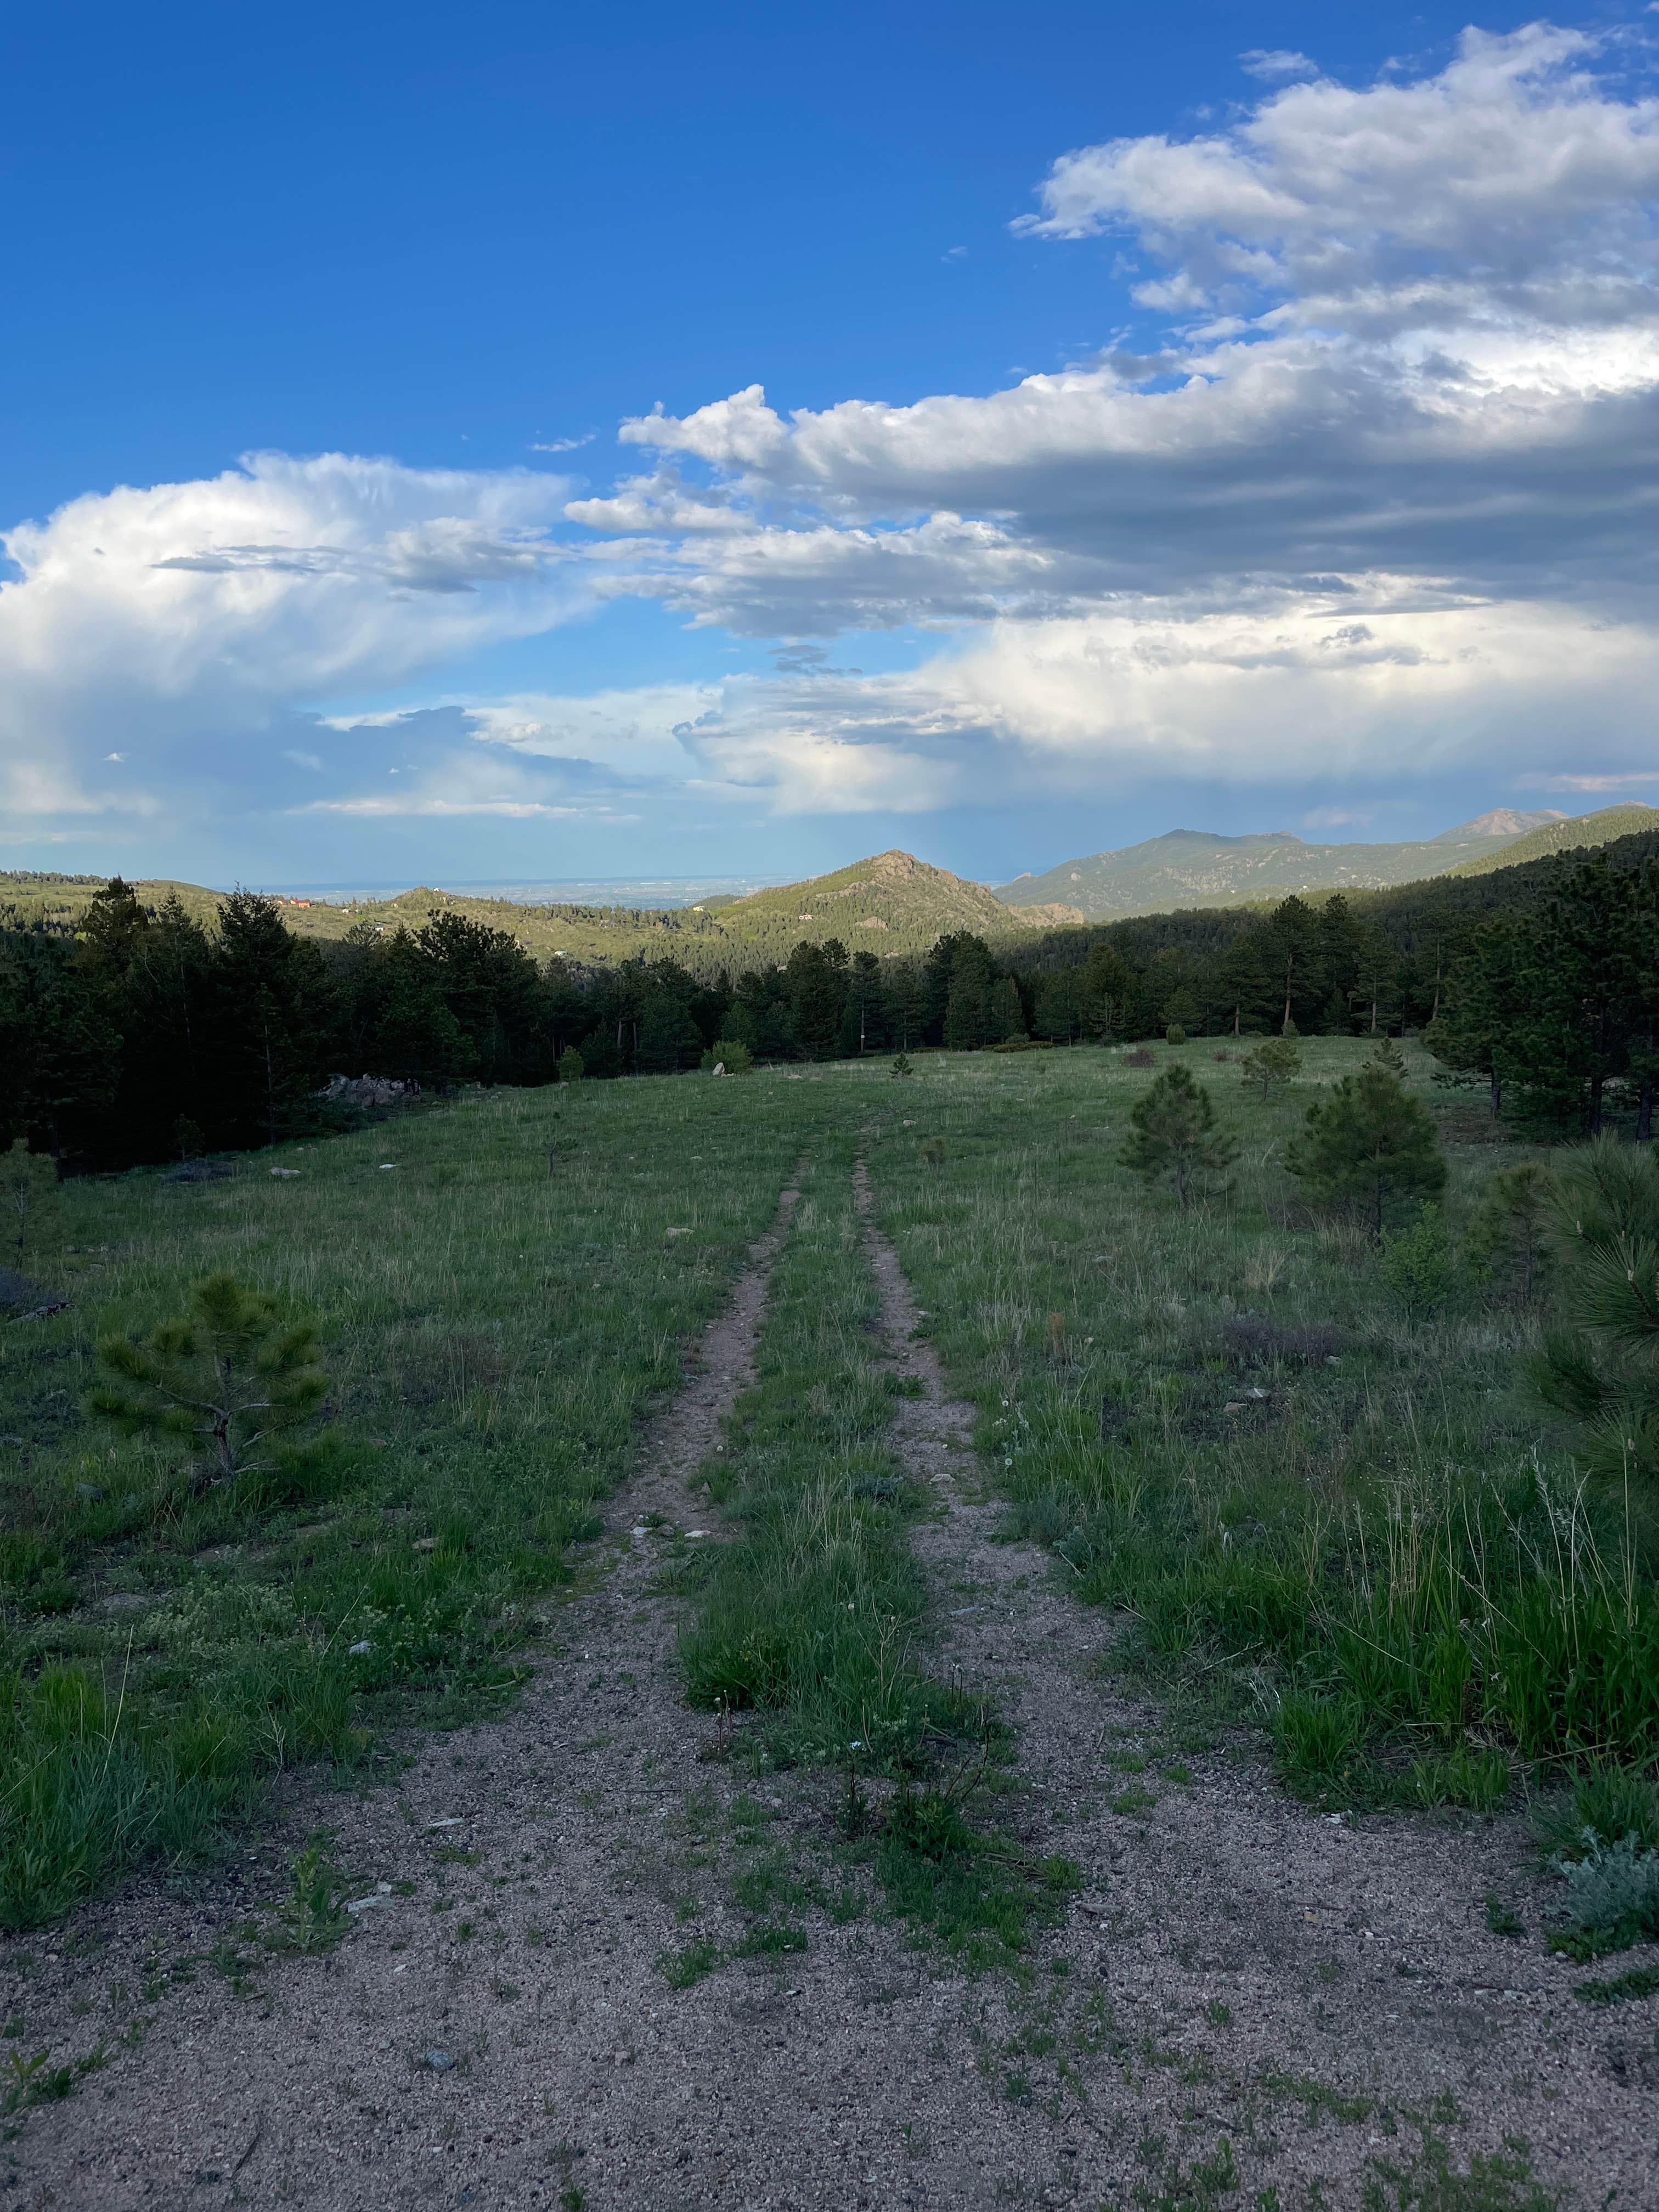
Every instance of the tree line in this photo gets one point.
(136, 1032)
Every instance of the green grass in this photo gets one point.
(1381, 1553)
(493, 1332)
(1361, 1539)
(815, 1613)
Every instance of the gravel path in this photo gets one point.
(498, 2029)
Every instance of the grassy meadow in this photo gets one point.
(1315, 1507)
(1314, 1503)
(502, 1285)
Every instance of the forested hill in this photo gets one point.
(1412, 916)
(890, 904)
(1604, 827)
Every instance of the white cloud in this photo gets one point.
(1274, 63)
(211, 605)
(1373, 495)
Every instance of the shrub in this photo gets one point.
(1613, 1895)
(729, 1053)
(1256, 1340)
(228, 1380)
(1142, 1056)
(1368, 1146)
(1175, 1034)
(572, 1067)
(1417, 1263)
(902, 1067)
(933, 1151)
(1175, 1134)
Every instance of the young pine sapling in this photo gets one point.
(230, 1379)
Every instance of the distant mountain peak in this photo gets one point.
(1500, 822)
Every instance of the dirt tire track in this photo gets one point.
(864, 2073)
(1351, 1954)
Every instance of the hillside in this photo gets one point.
(1566, 835)
(1196, 868)
(890, 903)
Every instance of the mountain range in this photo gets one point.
(1196, 868)
(893, 903)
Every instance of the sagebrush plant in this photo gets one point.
(228, 1380)
(1612, 1894)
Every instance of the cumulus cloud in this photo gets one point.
(163, 613)
(1369, 491)
(1415, 328)
(1095, 705)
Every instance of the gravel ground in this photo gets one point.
(1243, 1998)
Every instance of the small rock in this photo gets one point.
(426, 1544)
(439, 2061)
(385, 1164)
(12, 1440)
(286, 1174)
(88, 1492)
(453, 1820)
(692, 1532)
(358, 1651)
(364, 1904)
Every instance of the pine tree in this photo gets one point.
(1480, 1008)
(1273, 1061)
(230, 1378)
(1175, 1134)
(1601, 1366)
(1369, 1146)
(1506, 1237)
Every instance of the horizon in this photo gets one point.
(1006, 452)
(687, 890)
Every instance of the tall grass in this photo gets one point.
(494, 1326)
(1288, 1482)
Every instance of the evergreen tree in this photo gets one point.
(1600, 1367)
(229, 1379)
(1273, 1061)
(1007, 1014)
(1480, 1008)
(1507, 1233)
(1369, 1146)
(1293, 947)
(1341, 952)
(1376, 977)
(1108, 987)
(1173, 1134)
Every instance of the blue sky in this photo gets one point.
(1039, 428)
